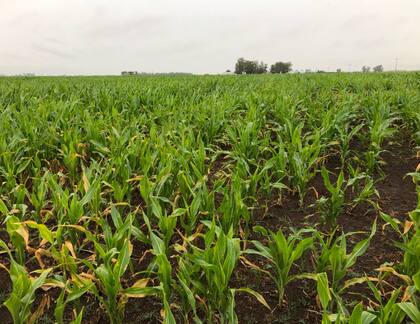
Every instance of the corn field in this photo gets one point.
(210, 199)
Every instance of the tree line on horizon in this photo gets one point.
(244, 66)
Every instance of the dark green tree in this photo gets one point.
(243, 66)
(378, 68)
(365, 69)
(281, 67)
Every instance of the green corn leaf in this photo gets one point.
(123, 259)
(416, 280)
(411, 310)
(140, 292)
(3, 208)
(323, 290)
(359, 316)
(79, 317)
(367, 317)
(252, 292)
(45, 233)
(360, 248)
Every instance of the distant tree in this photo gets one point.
(227, 71)
(338, 70)
(281, 67)
(240, 66)
(243, 66)
(261, 68)
(378, 68)
(365, 69)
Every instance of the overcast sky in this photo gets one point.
(205, 36)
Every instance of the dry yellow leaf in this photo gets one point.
(407, 226)
(69, 246)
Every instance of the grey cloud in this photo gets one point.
(12, 56)
(109, 29)
(44, 49)
(53, 40)
(97, 36)
(359, 20)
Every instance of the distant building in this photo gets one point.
(129, 73)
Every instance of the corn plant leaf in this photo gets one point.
(77, 292)
(301, 247)
(411, 310)
(356, 315)
(123, 259)
(79, 318)
(45, 233)
(191, 299)
(141, 292)
(168, 317)
(323, 289)
(355, 281)
(359, 316)
(257, 295)
(3, 208)
(416, 280)
(360, 248)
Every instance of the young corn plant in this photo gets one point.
(409, 244)
(345, 134)
(113, 260)
(109, 277)
(331, 256)
(303, 152)
(245, 140)
(71, 207)
(166, 223)
(332, 206)
(38, 196)
(389, 310)
(380, 121)
(279, 168)
(16, 229)
(204, 274)
(161, 265)
(196, 201)
(409, 233)
(368, 191)
(69, 152)
(24, 287)
(282, 252)
(14, 160)
(19, 237)
(72, 292)
(326, 297)
(233, 210)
